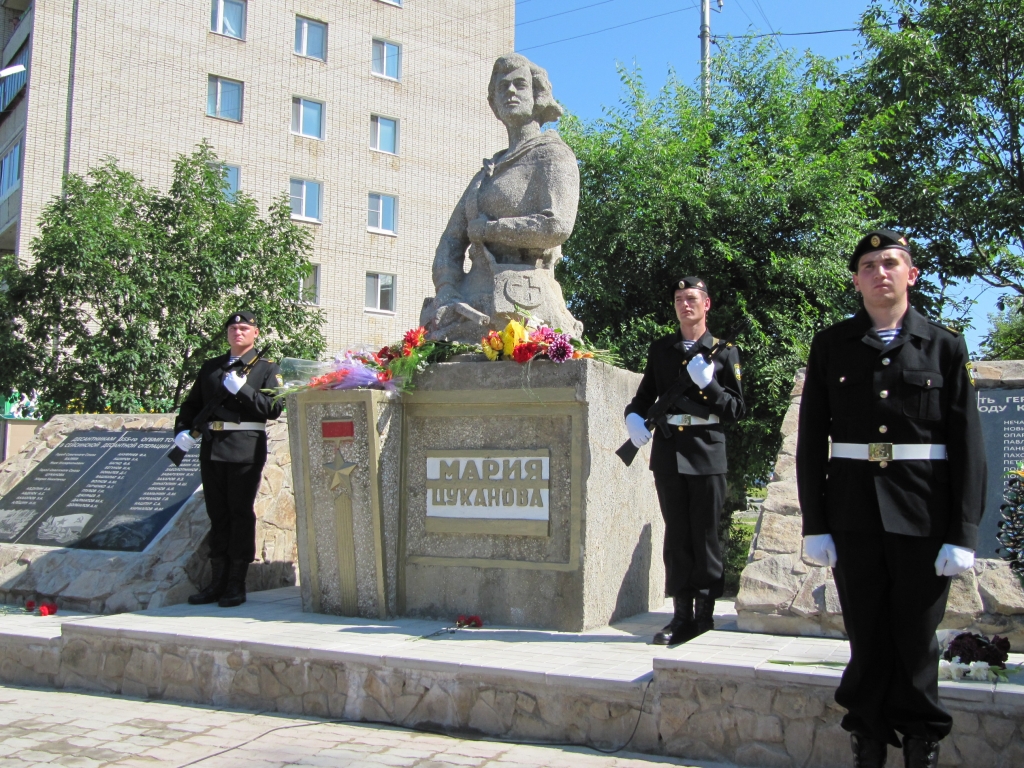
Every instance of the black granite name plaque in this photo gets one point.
(1002, 424)
(100, 490)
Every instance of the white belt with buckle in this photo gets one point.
(888, 451)
(242, 426)
(686, 420)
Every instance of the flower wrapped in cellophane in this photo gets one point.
(390, 368)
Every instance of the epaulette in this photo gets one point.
(945, 328)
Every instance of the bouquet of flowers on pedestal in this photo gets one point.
(532, 340)
(975, 657)
(390, 368)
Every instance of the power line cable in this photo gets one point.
(777, 45)
(789, 34)
(563, 13)
(606, 29)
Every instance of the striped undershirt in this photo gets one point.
(233, 359)
(887, 336)
(688, 344)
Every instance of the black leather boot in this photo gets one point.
(218, 582)
(918, 753)
(235, 592)
(683, 617)
(868, 752)
(688, 629)
(704, 611)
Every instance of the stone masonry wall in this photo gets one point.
(708, 714)
(781, 593)
(176, 565)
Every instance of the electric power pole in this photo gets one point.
(705, 50)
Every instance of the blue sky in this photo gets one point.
(583, 70)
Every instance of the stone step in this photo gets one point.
(724, 696)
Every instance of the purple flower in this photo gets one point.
(559, 348)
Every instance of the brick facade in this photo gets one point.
(140, 93)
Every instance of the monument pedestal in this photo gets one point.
(492, 489)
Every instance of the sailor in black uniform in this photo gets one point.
(689, 467)
(895, 507)
(232, 454)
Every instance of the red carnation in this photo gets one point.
(525, 352)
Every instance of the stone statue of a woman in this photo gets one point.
(511, 220)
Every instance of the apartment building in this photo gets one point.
(370, 114)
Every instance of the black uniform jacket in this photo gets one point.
(701, 448)
(916, 390)
(250, 404)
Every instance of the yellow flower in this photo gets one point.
(492, 344)
(513, 335)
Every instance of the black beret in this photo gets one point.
(689, 282)
(879, 240)
(244, 316)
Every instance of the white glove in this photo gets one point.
(185, 441)
(233, 382)
(820, 549)
(639, 434)
(953, 560)
(701, 371)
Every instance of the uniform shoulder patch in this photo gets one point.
(737, 371)
(946, 328)
(970, 372)
(280, 380)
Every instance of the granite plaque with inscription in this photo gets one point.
(100, 490)
(1002, 424)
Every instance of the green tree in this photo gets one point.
(762, 194)
(1005, 339)
(128, 288)
(944, 84)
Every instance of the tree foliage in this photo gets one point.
(945, 84)
(129, 287)
(763, 194)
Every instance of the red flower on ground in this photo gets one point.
(526, 351)
(417, 337)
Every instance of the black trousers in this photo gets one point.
(892, 604)
(692, 506)
(230, 491)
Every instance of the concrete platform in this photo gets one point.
(724, 696)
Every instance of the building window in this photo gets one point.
(384, 134)
(382, 213)
(228, 18)
(10, 169)
(224, 98)
(380, 292)
(310, 38)
(305, 197)
(12, 85)
(232, 177)
(310, 286)
(387, 59)
(307, 118)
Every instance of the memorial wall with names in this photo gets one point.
(102, 490)
(1002, 424)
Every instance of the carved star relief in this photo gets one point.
(339, 471)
